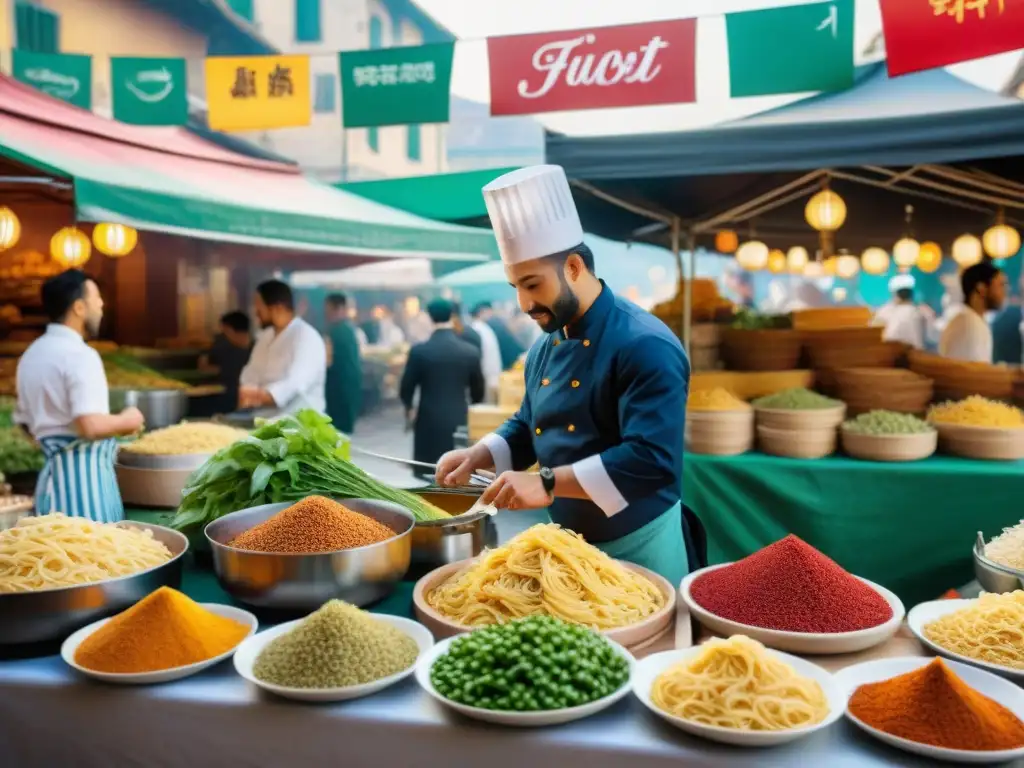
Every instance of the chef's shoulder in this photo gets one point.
(644, 342)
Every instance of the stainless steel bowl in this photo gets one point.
(53, 614)
(462, 537)
(161, 407)
(992, 576)
(305, 582)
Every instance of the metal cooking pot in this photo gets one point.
(440, 542)
(161, 407)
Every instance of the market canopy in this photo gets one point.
(167, 180)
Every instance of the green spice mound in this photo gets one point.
(337, 646)
(887, 423)
(796, 400)
(528, 665)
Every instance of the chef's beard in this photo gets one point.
(92, 326)
(564, 310)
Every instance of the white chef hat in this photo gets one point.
(899, 282)
(532, 213)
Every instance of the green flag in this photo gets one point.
(64, 76)
(793, 49)
(149, 91)
(396, 86)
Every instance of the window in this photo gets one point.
(307, 21)
(376, 32)
(37, 29)
(323, 93)
(373, 139)
(412, 143)
(243, 8)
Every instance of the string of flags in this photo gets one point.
(775, 51)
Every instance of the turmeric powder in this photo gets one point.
(164, 630)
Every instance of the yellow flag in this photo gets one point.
(254, 93)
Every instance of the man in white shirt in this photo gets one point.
(63, 402)
(901, 317)
(968, 335)
(490, 354)
(288, 367)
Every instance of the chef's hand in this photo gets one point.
(133, 420)
(517, 490)
(254, 397)
(455, 467)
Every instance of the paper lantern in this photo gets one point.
(875, 261)
(839, 292)
(114, 239)
(826, 211)
(813, 269)
(776, 261)
(10, 228)
(797, 259)
(752, 255)
(905, 252)
(967, 250)
(847, 266)
(829, 266)
(726, 241)
(70, 247)
(1001, 241)
(929, 258)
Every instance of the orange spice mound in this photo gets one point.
(315, 524)
(164, 630)
(931, 705)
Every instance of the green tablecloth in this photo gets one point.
(909, 527)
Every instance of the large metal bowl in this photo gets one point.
(440, 542)
(160, 407)
(992, 576)
(305, 582)
(53, 614)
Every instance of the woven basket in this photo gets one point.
(801, 418)
(913, 447)
(760, 350)
(797, 444)
(988, 443)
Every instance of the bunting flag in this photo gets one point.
(925, 34)
(396, 86)
(628, 66)
(147, 91)
(64, 76)
(793, 49)
(256, 93)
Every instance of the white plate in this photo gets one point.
(649, 668)
(245, 659)
(70, 646)
(798, 642)
(926, 613)
(1001, 691)
(520, 719)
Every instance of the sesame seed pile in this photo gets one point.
(315, 524)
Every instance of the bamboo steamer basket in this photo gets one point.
(884, 354)
(912, 447)
(843, 337)
(956, 379)
(797, 443)
(828, 318)
(761, 350)
(986, 443)
(720, 433)
(801, 418)
(890, 389)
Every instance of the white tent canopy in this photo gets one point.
(396, 275)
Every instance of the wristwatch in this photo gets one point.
(547, 476)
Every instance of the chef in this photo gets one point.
(968, 335)
(901, 318)
(605, 404)
(288, 367)
(63, 402)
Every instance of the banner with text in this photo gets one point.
(817, 54)
(149, 91)
(256, 93)
(926, 34)
(627, 66)
(64, 76)
(396, 86)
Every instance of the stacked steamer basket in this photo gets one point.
(771, 349)
(832, 349)
(883, 389)
(718, 423)
(956, 380)
(798, 424)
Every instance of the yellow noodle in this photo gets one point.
(550, 571)
(1008, 547)
(991, 629)
(182, 439)
(737, 684)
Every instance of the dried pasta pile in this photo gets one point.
(977, 411)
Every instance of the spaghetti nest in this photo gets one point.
(547, 570)
(737, 684)
(992, 630)
(57, 551)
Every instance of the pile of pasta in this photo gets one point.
(977, 411)
(184, 439)
(990, 629)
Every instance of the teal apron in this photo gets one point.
(78, 479)
(658, 546)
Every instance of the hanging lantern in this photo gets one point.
(70, 247)
(905, 252)
(776, 261)
(839, 292)
(967, 250)
(1001, 241)
(797, 259)
(828, 266)
(813, 269)
(826, 211)
(114, 239)
(10, 228)
(929, 258)
(847, 266)
(875, 261)
(726, 241)
(752, 255)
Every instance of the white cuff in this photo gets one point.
(593, 478)
(500, 452)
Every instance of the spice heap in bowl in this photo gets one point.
(718, 423)
(798, 423)
(888, 436)
(791, 597)
(977, 428)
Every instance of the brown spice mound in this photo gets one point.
(315, 524)
(931, 705)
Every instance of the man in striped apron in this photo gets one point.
(63, 403)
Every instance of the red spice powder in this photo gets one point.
(791, 586)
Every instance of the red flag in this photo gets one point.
(925, 34)
(627, 66)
